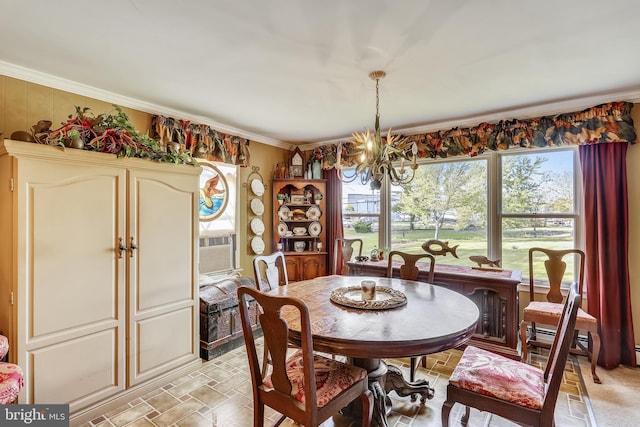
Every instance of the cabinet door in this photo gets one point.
(162, 272)
(293, 268)
(313, 266)
(71, 320)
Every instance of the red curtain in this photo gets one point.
(607, 276)
(334, 215)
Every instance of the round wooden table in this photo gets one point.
(433, 319)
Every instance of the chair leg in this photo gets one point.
(367, 408)
(444, 414)
(465, 419)
(523, 339)
(595, 338)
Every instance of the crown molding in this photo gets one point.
(552, 108)
(32, 76)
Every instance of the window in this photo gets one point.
(360, 212)
(497, 205)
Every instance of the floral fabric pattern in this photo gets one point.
(4, 346)
(555, 310)
(332, 377)
(604, 123)
(497, 376)
(11, 381)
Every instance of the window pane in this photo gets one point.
(520, 234)
(445, 201)
(360, 212)
(538, 183)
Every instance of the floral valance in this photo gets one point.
(201, 140)
(601, 124)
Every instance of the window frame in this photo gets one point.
(495, 215)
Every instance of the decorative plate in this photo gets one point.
(282, 228)
(257, 245)
(283, 213)
(257, 207)
(257, 187)
(315, 228)
(314, 213)
(257, 226)
(386, 298)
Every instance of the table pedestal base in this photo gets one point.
(384, 378)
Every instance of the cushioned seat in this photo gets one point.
(331, 377)
(4, 346)
(11, 381)
(497, 376)
(11, 376)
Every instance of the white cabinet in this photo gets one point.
(87, 320)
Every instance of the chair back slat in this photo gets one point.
(345, 247)
(555, 267)
(270, 271)
(409, 270)
(559, 352)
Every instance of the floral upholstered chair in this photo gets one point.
(305, 387)
(11, 377)
(509, 388)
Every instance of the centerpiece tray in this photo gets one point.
(386, 298)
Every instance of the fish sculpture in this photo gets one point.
(483, 260)
(441, 248)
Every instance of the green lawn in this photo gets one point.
(516, 244)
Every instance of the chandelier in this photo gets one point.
(375, 154)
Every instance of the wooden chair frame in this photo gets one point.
(553, 374)
(278, 397)
(347, 248)
(275, 271)
(409, 271)
(556, 267)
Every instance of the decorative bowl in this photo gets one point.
(299, 246)
(299, 230)
(362, 258)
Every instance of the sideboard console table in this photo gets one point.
(495, 292)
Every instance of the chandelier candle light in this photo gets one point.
(375, 155)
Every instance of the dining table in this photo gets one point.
(406, 318)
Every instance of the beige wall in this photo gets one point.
(23, 104)
(265, 157)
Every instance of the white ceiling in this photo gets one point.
(296, 71)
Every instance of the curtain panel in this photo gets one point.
(201, 140)
(604, 123)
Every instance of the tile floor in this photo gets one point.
(219, 395)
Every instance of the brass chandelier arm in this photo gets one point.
(375, 155)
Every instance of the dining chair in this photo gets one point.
(11, 376)
(305, 387)
(347, 248)
(409, 271)
(548, 312)
(509, 388)
(270, 271)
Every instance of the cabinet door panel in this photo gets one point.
(77, 371)
(162, 272)
(73, 226)
(313, 266)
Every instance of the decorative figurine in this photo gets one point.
(443, 247)
(483, 260)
